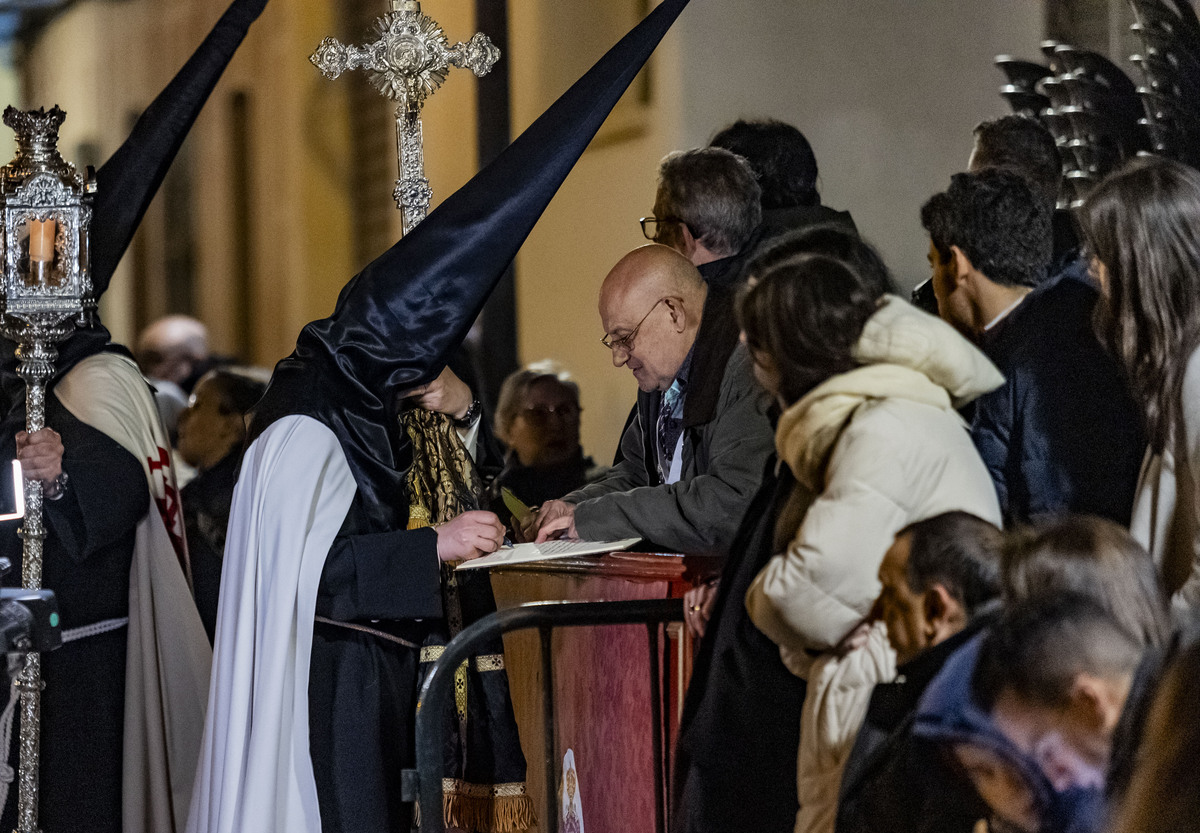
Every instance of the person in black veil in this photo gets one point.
(212, 436)
(121, 716)
(309, 726)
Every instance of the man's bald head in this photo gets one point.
(171, 347)
(652, 343)
(654, 270)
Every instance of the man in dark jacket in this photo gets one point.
(1062, 434)
(708, 208)
(739, 736)
(693, 455)
(940, 581)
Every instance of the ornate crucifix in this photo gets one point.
(407, 62)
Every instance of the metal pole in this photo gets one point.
(37, 362)
(548, 728)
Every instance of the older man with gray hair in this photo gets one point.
(708, 208)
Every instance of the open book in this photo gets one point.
(545, 551)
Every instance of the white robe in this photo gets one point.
(292, 496)
(255, 772)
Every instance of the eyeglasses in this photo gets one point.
(626, 342)
(652, 227)
(541, 414)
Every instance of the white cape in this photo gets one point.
(167, 656)
(255, 773)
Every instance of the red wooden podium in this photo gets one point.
(602, 684)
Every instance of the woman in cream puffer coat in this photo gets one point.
(869, 386)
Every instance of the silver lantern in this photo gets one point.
(46, 292)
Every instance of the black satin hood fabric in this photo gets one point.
(128, 181)
(397, 322)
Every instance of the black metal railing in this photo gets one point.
(424, 784)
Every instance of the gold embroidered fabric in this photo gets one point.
(442, 484)
(489, 662)
(483, 662)
(457, 785)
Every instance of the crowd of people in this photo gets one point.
(957, 548)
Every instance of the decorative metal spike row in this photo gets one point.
(1170, 65)
(408, 61)
(45, 292)
(1088, 104)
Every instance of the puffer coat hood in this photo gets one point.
(905, 353)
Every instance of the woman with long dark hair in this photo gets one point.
(1142, 228)
(868, 387)
(1164, 796)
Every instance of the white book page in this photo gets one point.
(545, 551)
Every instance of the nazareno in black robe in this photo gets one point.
(363, 688)
(395, 326)
(86, 561)
(91, 530)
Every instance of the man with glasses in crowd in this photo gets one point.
(693, 456)
(708, 208)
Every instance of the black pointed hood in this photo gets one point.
(397, 322)
(128, 181)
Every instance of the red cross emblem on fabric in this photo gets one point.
(166, 496)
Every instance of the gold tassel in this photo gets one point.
(485, 814)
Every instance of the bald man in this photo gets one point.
(694, 455)
(173, 348)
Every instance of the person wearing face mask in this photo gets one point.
(1096, 558)
(1057, 675)
(1019, 798)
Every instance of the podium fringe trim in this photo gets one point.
(485, 808)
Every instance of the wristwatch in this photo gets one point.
(57, 487)
(472, 414)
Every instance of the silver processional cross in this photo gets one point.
(409, 59)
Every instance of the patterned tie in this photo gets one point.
(670, 426)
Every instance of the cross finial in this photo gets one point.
(408, 61)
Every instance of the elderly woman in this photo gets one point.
(868, 386)
(537, 417)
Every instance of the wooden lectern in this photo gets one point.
(602, 683)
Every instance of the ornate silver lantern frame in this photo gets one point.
(45, 291)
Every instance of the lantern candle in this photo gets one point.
(41, 240)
